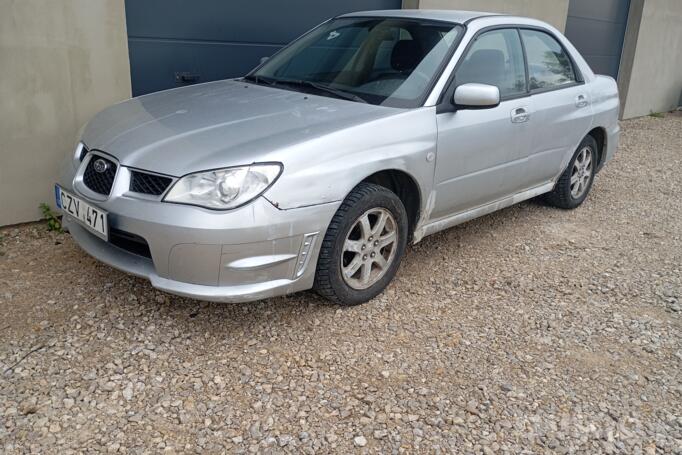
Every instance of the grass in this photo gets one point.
(53, 221)
(656, 114)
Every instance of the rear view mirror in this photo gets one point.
(477, 96)
(264, 59)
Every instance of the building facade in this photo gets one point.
(66, 59)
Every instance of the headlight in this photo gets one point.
(224, 188)
(79, 134)
(77, 153)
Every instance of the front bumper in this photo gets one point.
(250, 253)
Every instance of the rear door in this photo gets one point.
(561, 106)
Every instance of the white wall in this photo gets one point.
(62, 61)
(652, 67)
(551, 11)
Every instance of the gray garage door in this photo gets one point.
(597, 28)
(177, 42)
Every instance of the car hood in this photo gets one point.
(218, 124)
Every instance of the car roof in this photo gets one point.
(455, 16)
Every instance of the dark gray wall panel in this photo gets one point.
(218, 39)
(597, 28)
(606, 10)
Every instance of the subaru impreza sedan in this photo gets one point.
(316, 169)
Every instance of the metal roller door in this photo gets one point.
(597, 29)
(177, 42)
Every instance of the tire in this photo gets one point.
(569, 194)
(349, 242)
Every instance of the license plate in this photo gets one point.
(93, 218)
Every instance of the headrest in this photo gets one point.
(406, 55)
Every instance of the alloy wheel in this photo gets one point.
(369, 248)
(582, 172)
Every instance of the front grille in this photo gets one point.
(130, 242)
(100, 182)
(141, 182)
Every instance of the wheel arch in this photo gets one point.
(404, 186)
(599, 135)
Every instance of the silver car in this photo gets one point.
(315, 170)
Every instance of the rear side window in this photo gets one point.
(548, 64)
(495, 58)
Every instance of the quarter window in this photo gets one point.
(495, 58)
(548, 63)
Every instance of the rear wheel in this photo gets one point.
(363, 246)
(575, 183)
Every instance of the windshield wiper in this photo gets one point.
(320, 87)
(303, 83)
(259, 79)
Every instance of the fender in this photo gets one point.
(346, 157)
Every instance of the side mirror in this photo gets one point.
(476, 96)
(264, 59)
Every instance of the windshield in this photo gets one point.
(383, 61)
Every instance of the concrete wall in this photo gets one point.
(551, 11)
(650, 77)
(62, 61)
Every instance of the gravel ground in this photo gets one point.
(532, 330)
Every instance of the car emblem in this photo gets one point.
(101, 166)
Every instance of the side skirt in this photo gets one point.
(462, 217)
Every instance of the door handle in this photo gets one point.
(581, 101)
(520, 115)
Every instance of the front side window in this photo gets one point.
(495, 58)
(548, 64)
(383, 61)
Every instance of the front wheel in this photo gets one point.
(363, 246)
(575, 183)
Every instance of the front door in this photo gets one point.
(481, 151)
